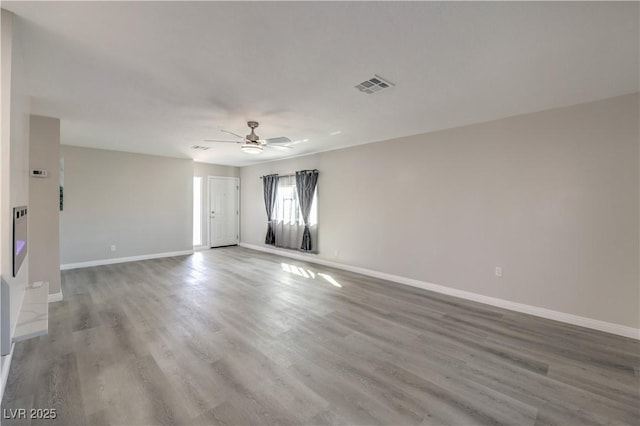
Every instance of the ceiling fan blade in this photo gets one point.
(279, 140)
(280, 147)
(212, 140)
(233, 134)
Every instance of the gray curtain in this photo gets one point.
(270, 189)
(306, 181)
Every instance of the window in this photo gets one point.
(287, 208)
(288, 224)
(197, 211)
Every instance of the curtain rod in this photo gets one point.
(290, 174)
(293, 174)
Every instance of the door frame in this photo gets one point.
(208, 204)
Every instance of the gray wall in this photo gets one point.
(142, 204)
(44, 202)
(552, 197)
(14, 169)
(204, 170)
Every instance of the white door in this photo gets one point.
(223, 211)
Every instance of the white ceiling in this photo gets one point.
(160, 77)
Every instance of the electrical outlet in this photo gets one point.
(113, 247)
(336, 253)
(498, 271)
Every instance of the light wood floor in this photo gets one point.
(237, 337)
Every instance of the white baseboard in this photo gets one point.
(55, 297)
(112, 261)
(4, 374)
(607, 327)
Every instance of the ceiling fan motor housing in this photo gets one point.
(252, 136)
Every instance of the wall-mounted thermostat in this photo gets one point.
(39, 173)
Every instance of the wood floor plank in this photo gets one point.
(59, 389)
(233, 336)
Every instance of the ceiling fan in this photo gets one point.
(252, 144)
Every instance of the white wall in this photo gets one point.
(14, 165)
(14, 191)
(552, 197)
(44, 202)
(142, 204)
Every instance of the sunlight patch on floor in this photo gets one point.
(309, 274)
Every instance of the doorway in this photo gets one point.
(224, 211)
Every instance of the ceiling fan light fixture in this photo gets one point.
(251, 148)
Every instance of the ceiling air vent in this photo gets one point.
(203, 148)
(374, 85)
